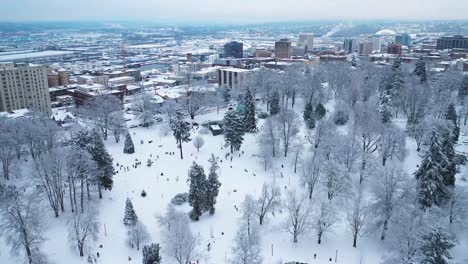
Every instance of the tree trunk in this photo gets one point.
(70, 194)
(180, 148)
(354, 240)
(384, 229)
(319, 238)
(81, 249)
(100, 191)
(311, 191)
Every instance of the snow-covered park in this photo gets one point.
(328, 180)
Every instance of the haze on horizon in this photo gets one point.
(234, 11)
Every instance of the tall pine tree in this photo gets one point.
(197, 192)
(130, 218)
(213, 184)
(180, 130)
(432, 189)
(451, 115)
(463, 91)
(308, 110)
(129, 148)
(250, 122)
(436, 247)
(151, 254)
(386, 95)
(320, 111)
(275, 103)
(420, 70)
(233, 130)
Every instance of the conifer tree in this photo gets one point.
(463, 90)
(430, 176)
(181, 130)
(320, 111)
(151, 254)
(250, 122)
(130, 218)
(420, 70)
(233, 130)
(308, 111)
(311, 122)
(275, 103)
(93, 144)
(436, 247)
(197, 192)
(451, 115)
(129, 148)
(450, 164)
(385, 107)
(213, 184)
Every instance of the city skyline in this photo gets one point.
(240, 11)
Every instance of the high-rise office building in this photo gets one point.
(283, 49)
(306, 40)
(234, 49)
(376, 43)
(24, 86)
(365, 48)
(350, 45)
(394, 48)
(455, 42)
(403, 39)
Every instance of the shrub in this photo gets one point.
(143, 193)
(340, 118)
(180, 198)
(263, 115)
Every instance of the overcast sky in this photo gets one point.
(236, 11)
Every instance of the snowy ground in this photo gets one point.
(236, 182)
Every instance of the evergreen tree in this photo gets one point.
(151, 254)
(197, 192)
(180, 129)
(420, 70)
(436, 247)
(450, 165)
(93, 144)
(385, 107)
(226, 93)
(311, 122)
(129, 148)
(275, 103)
(233, 130)
(451, 115)
(130, 218)
(213, 184)
(308, 110)
(320, 111)
(430, 176)
(250, 123)
(463, 91)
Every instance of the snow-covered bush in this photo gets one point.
(180, 198)
(143, 193)
(340, 118)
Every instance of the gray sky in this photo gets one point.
(238, 11)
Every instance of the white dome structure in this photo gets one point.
(386, 32)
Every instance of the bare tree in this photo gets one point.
(21, 227)
(138, 235)
(99, 111)
(297, 149)
(298, 214)
(322, 128)
(246, 249)
(357, 215)
(49, 169)
(196, 103)
(310, 172)
(457, 206)
(368, 127)
(80, 169)
(388, 190)
(198, 142)
(323, 219)
(178, 239)
(392, 143)
(269, 137)
(269, 199)
(7, 146)
(117, 125)
(288, 125)
(83, 229)
(335, 180)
